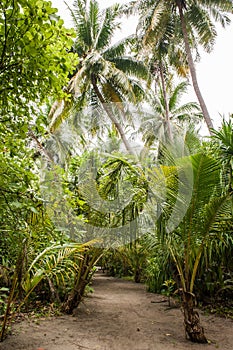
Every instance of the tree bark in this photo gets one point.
(75, 297)
(82, 279)
(193, 70)
(110, 115)
(193, 329)
(167, 117)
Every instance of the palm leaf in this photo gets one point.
(109, 25)
(177, 93)
(217, 208)
(132, 67)
(206, 173)
(200, 20)
(119, 48)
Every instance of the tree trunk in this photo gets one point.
(111, 115)
(193, 329)
(75, 297)
(138, 274)
(168, 124)
(82, 278)
(53, 291)
(193, 71)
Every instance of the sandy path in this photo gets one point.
(118, 316)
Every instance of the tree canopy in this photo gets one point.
(33, 55)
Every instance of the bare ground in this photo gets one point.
(120, 315)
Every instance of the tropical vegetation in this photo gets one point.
(102, 163)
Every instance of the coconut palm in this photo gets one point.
(155, 125)
(164, 57)
(162, 62)
(105, 76)
(194, 19)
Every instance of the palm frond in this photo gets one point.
(131, 8)
(132, 67)
(108, 27)
(216, 212)
(200, 20)
(81, 23)
(206, 183)
(190, 112)
(59, 115)
(225, 136)
(155, 25)
(177, 93)
(119, 48)
(220, 17)
(77, 12)
(119, 79)
(46, 262)
(94, 14)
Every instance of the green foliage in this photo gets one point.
(33, 64)
(181, 116)
(17, 186)
(159, 266)
(38, 260)
(96, 188)
(106, 76)
(190, 23)
(33, 57)
(223, 151)
(169, 289)
(127, 261)
(159, 19)
(53, 262)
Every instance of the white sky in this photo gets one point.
(214, 72)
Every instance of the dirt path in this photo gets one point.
(120, 315)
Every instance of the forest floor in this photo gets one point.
(119, 315)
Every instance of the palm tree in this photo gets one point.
(105, 76)
(155, 125)
(192, 18)
(162, 61)
(206, 214)
(166, 56)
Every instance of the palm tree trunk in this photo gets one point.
(193, 328)
(110, 115)
(193, 70)
(82, 279)
(168, 124)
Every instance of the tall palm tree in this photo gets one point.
(164, 57)
(106, 75)
(155, 125)
(191, 18)
(163, 61)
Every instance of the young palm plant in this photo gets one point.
(206, 211)
(53, 261)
